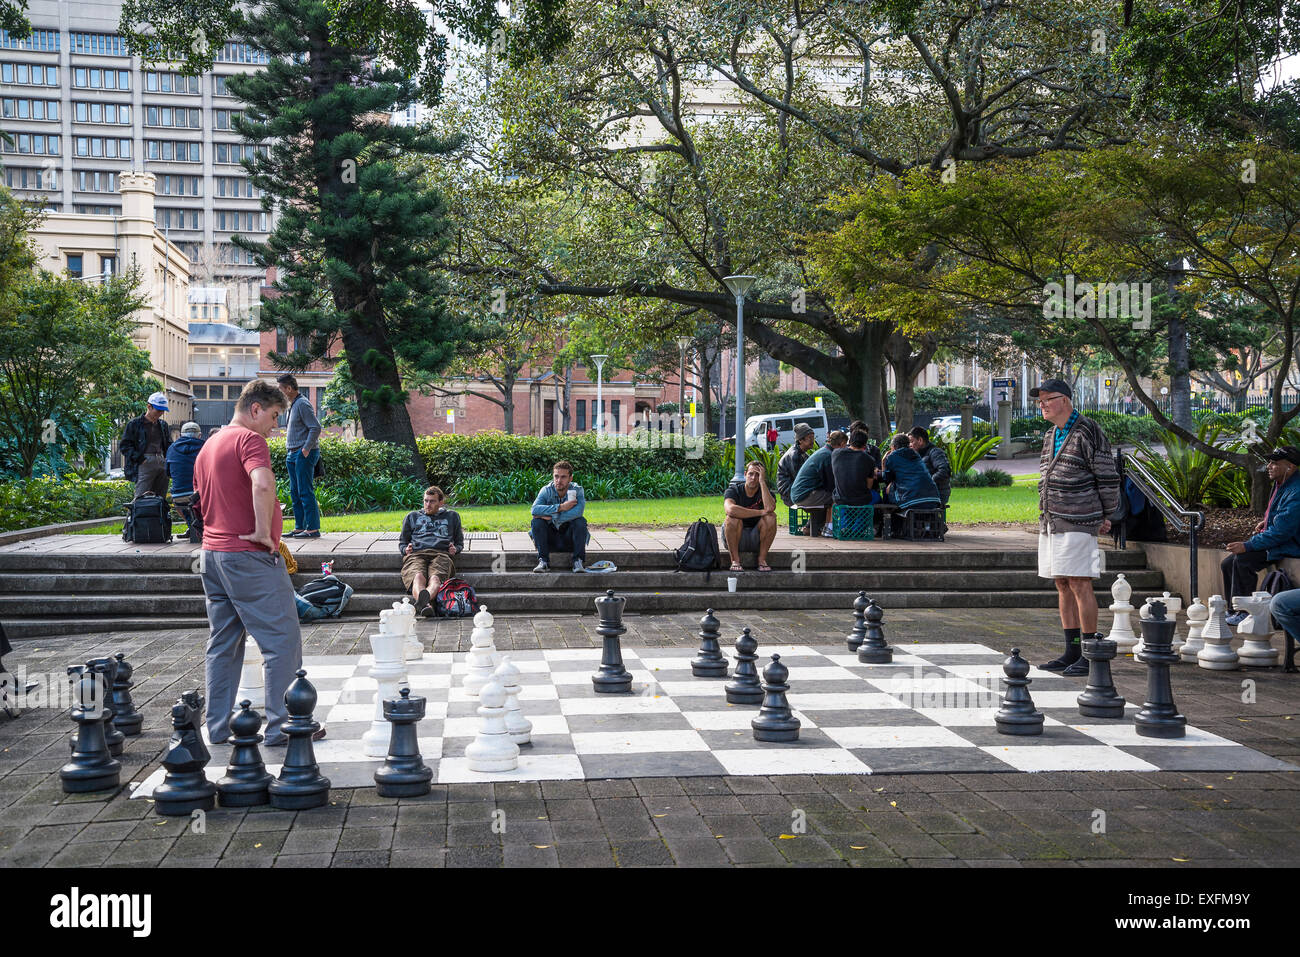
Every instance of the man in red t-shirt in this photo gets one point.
(247, 586)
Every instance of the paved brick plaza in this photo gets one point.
(1173, 819)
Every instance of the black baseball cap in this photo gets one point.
(1288, 452)
(1052, 385)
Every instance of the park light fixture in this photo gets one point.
(739, 285)
(600, 402)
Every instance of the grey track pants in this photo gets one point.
(249, 592)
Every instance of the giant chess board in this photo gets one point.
(930, 711)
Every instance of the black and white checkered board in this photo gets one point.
(930, 711)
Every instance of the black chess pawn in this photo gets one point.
(1158, 717)
(859, 631)
(1017, 714)
(710, 663)
(612, 678)
(404, 773)
(247, 782)
(775, 721)
(744, 686)
(108, 668)
(874, 650)
(1100, 699)
(185, 787)
(125, 718)
(300, 785)
(92, 768)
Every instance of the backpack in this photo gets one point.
(148, 521)
(327, 595)
(1274, 583)
(700, 552)
(455, 598)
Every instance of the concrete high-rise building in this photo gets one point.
(82, 111)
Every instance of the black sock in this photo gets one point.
(1072, 650)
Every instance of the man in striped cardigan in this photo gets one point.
(1077, 493)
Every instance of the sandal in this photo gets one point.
(764, 567)
(737, 567)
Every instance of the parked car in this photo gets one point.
(948, 427)
(756, 427)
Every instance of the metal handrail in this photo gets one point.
(1174, 511)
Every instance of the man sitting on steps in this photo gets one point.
(557, 519)
(750, 524)
(430, 538)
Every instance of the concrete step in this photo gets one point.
(61, 584)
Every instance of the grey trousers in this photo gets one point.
(249, 592)
(152, 476)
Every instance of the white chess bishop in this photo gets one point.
(1121, 630)
(1256, 631)
(492, 749)
(483, 658)
(1197, 615)
(389, 672)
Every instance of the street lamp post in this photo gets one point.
(739, 285)
(600, 402)
(683, 343)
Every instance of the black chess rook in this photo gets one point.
(246, 783)
(404, 773)
(775, 721)
(744, 686)
(185, 787)
(1100, 699)
(874, 650)
(1017, 714)
(613, 677)
(1158, 717)
(92, 768)
(710, 662)
(300, 785)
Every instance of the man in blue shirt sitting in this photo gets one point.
(557, 519)
(180, 466)
(1277, 537)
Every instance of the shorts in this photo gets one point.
(1068, 554)
(424, 562)
(817, 498)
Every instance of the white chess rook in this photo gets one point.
(507, 675)
(1121, 629)
(389, 670)
(252, 683)
(1173, 605)
(1256, 631)
(1197, 614)
(1217, 655)
(492, 749)
(482, 654)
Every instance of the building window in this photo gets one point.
(118, 114)
(177, 151)
(99, 44)
(74, 264)
(38, 144)
(108, 265)
(582, 415)
(12, 108)
(176, 185)
(95, 181)
(172, 116)
(29, 74)
(46, 40)
(160, 82)
(240, 53)
(93, 78)
(613, 406)
(107, 146)
(234, 153)
(19, 177)
(226, 119)
(97, 210)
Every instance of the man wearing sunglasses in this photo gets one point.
(1078, 491)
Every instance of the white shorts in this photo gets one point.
(1071, 554)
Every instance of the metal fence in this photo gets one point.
(1165, 404)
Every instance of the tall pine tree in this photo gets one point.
(358, 238)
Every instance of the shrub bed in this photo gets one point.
(28, 503)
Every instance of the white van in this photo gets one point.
(756, 427)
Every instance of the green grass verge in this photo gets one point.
(968, 506)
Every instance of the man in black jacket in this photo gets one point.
(793, 459)
(935, 459)
(144, 448)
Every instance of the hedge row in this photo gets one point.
(28, 503)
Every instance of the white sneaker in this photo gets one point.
(827, 531)
(577, 565)
(542, 567)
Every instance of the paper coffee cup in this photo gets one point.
(732, 583)
(573, 495)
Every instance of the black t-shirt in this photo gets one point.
(737, 493)
(853, 470)
(153, 441)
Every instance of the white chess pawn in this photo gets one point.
(1217, 655)
(483, 619)
(507, 675)
(388, 670)
(1197, 614)
(1121, 630)
(252, 685)
(404, 611)
(1256, 631)
(482, 659)
(492, 749)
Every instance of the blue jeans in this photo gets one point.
(306, 514)
(1285, 609)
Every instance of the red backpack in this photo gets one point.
(455, 598)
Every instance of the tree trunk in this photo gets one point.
(706, 389)
(507, 389)
(382, 417)
(908, 360)
(864, 388)
(1261, 487)
(568, 396)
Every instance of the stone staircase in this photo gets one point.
(46, 593)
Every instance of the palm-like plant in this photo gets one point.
(1191, 476)
(964, 453)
